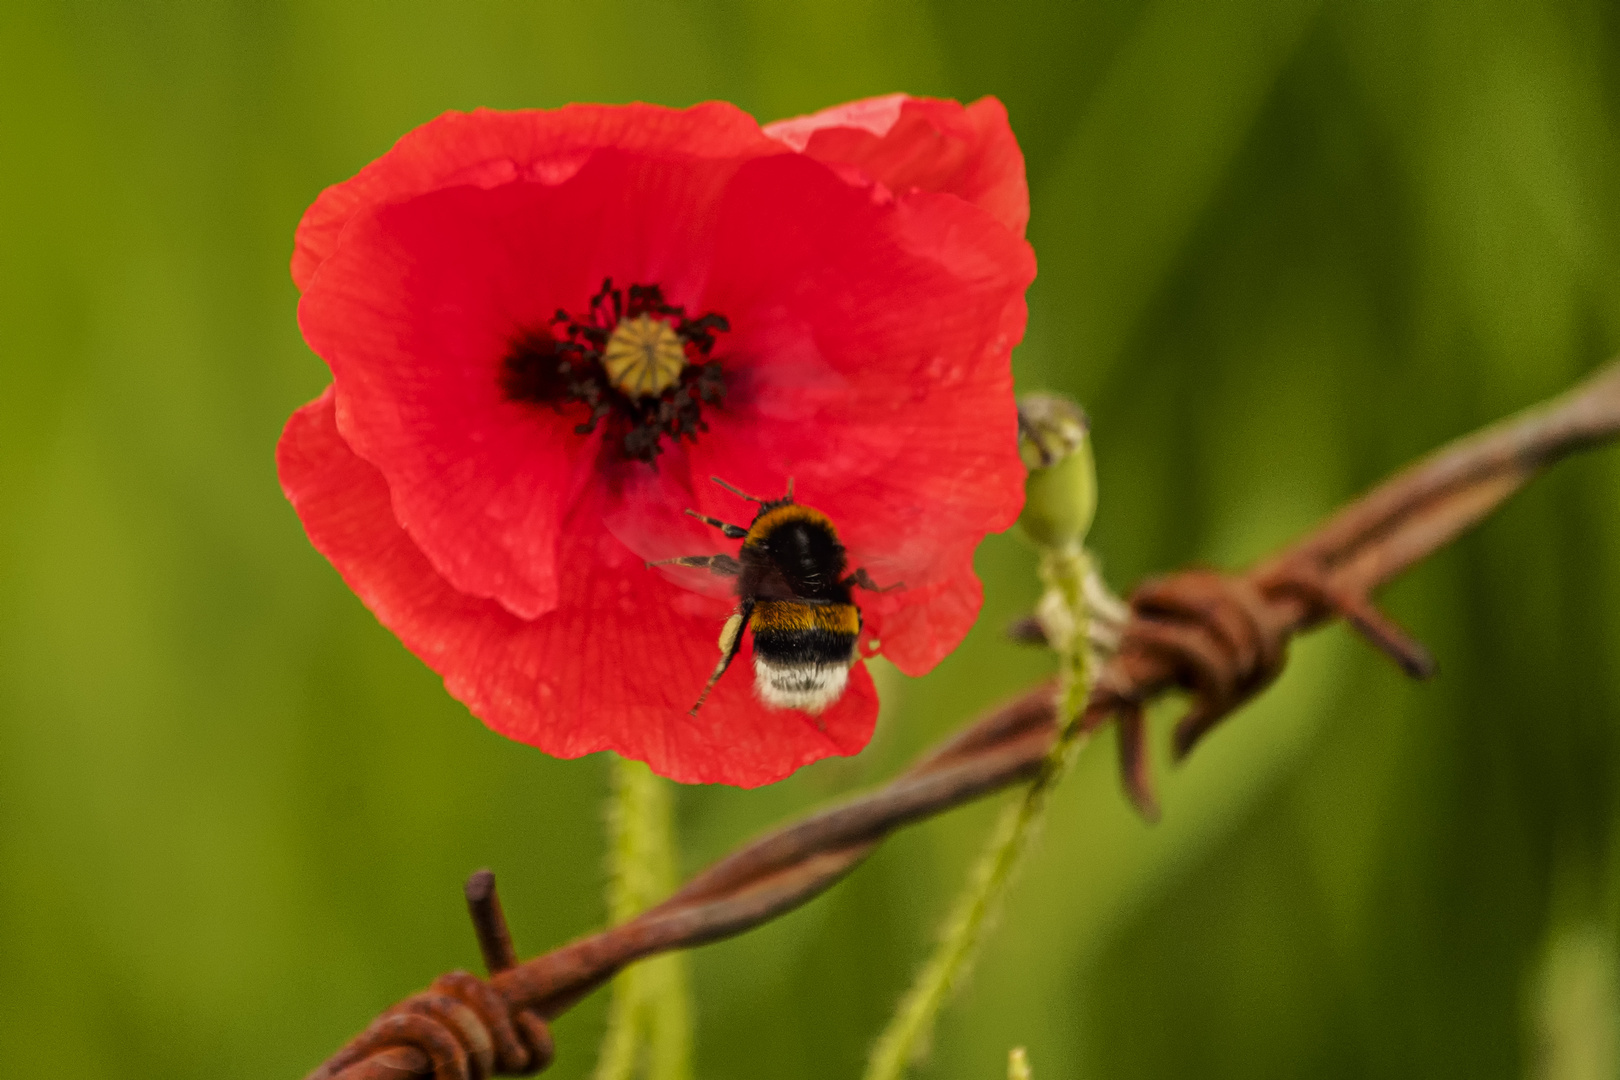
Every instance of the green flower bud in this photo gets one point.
(1060, 493)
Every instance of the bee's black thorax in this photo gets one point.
(792, 552)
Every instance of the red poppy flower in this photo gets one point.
(548, 329)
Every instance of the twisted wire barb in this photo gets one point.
(1222, 637)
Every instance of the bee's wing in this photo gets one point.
(722, 565)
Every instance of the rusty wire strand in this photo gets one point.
(1221, 637)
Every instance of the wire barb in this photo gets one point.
(489, 923)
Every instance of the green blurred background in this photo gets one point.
(1284, 247)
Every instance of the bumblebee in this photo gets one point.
(794, 596)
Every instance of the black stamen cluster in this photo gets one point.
(562, 364)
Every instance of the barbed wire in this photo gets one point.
(1221, 637)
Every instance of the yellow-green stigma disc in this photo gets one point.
(644, 356)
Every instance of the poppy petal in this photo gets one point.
(487, 148)
(925, 144)
(419, 308)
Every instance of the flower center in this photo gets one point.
(644, 356)
(637, 361)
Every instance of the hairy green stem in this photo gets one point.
(1063, 613)
(650, 1016)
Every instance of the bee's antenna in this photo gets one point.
(789, 495)
(732, 532)
(739, 492)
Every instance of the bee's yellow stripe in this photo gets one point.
(789, 615)
(770, 519)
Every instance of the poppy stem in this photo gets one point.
(1064, 571)
(1060, 501)
(650, 1017)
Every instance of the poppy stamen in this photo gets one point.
(634, 359)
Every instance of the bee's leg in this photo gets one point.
(723, 565)
(864, 580)
(730, 645)
(732, 532)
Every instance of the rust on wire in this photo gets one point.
(489, 923)
(1224, 637)
(1221, 637)
(459, 1028)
